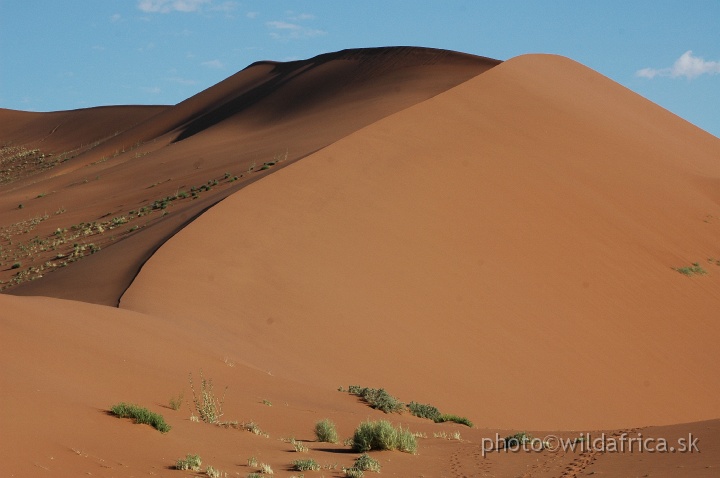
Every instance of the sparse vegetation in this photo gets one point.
(325, 431)
(190, 462)
(214, 473)
(252, 462)
(140, 415)
(381, 435)
(307, 464)
(299, 446)
(354, 472)
(517, 439)
(424, 411)
(382, 400)
(378, 398)
(208, 406)
(265, 469)
(367, 463)
(455, 419)
(694, 269)
(176, 402)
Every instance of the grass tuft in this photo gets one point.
(378, 398)
(381, 435)
(367, 463)
(140, 415)
(454, 418)
(325, 431)
(190, 462)
(307, 464)
(694, 269)
(424, 411)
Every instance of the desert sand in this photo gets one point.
(499, 239)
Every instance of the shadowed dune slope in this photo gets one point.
(268, 113)
(504, 250)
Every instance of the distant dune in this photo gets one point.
(124, 158)
(524, 243)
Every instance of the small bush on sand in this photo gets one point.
(354, 472)
(367, 463)
(381, 435)
(305, 465)
(140, 415)
(378, 398)
(696, 268)
(454, 418)
(325, 431)
(190, 462)
(517, 439)
(176, 402)
(208, 406)
(424, 411)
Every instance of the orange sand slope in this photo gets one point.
(109, 163)
(504, 250)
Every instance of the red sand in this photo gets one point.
(502, 248)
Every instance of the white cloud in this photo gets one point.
(252, 15)
(116, 18)
(213, 64)
(166, 6)
(153, 90)
(226, 7)
(301, 17)
(687, 65)
(282, 30)
(182, 81)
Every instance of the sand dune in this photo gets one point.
(497, 239)
(511, 241)
(268, 112)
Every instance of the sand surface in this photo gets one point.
(498, 239)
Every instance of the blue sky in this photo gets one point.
(66, 54)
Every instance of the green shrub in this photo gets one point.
(307, 464)
(696, 268)
(325, 431)
(190, 462)
(367, 463)
(378, 398)
(381, 435)
(454, 418)
(517, 439)
(424, 411)
(141, 415)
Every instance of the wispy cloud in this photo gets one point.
(116, 18)
(291, 28)
(167, 6)
(226, 7)
(687, 65)
(217, 64)
(153, 90)
(252, 15)
(182, 81)
(300, 16)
